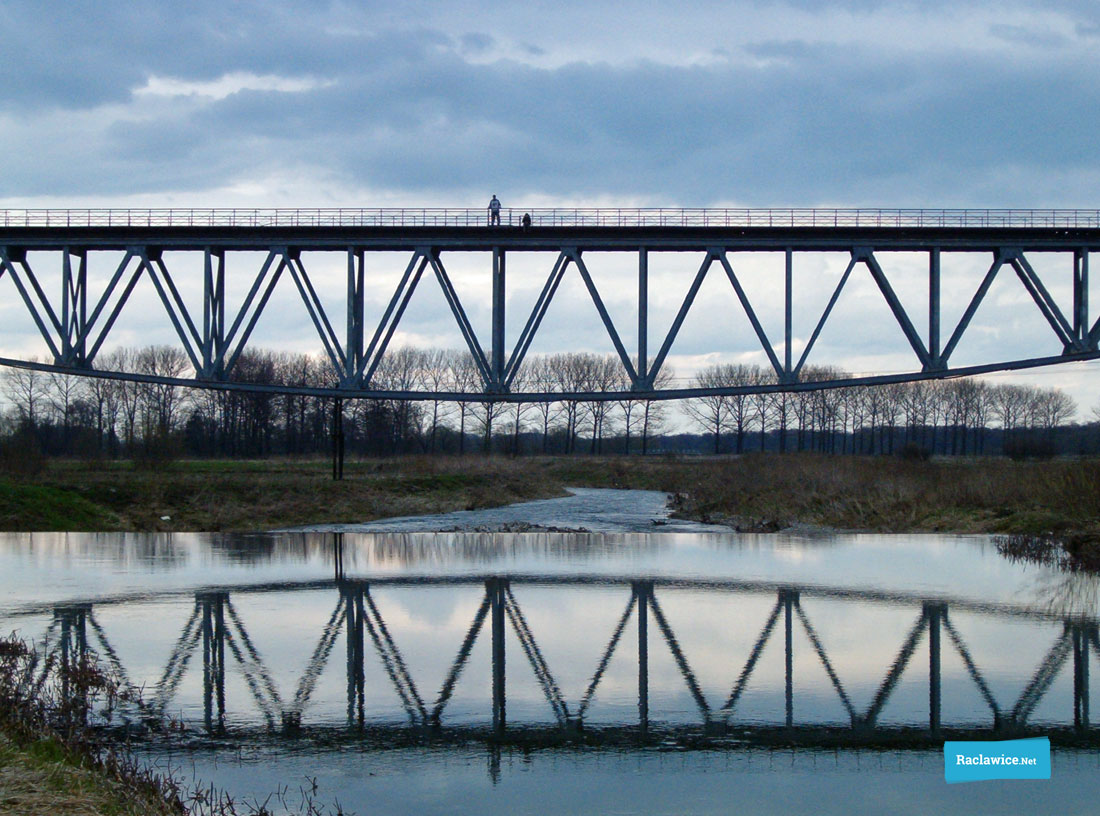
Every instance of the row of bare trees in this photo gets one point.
(72, 415)
(113, 417)
(948, 416)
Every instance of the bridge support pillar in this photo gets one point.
(495, 587)
(353, 619)
(499, 295)
(934, 309)
(213, 659)
(789, 598)
(934, 615)
(643, 316)
(788, 311)
(74, 308)
(643, 590)
(73, 643)
(213, 314)
(338, 557)
(1080, 677)
(1081, 297)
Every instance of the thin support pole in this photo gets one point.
(1080, 678)
(213, 314)
(495, 589)
(207, 665)
(338, 557)
(643, 316)
(934, 613)
(789, 598)
(934, 308)
(337, 439)
(353, 345)
(642, 591)
(219, 652)
(1081, 296)
(499, 292)
(788, 312)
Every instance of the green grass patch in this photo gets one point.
(28, 507)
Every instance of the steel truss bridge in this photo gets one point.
(216, 634)
(76, 320)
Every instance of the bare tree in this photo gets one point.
(465, 377)
(710, 412)
(25, 388)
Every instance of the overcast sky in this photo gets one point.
(857, 103)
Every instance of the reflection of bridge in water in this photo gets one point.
(216, 631)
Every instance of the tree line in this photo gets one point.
(954, 416)
(66, 415)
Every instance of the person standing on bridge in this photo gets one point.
(494, 211)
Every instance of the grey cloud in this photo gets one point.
(1026, 35)
(826, 124)
(476, 43)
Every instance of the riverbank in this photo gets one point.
(43, 777)
(50, 761)
(761, 493)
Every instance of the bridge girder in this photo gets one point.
(75, 327)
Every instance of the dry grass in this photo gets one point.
(754, 491)
(892, 495)
(50, 760)
(45, 778)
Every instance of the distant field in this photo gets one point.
(751, 492)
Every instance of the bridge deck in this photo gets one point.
(553, 238)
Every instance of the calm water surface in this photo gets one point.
(566, 672)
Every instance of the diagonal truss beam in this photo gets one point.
(189, 336)
(372, 356)
(461, 659)
(463, 321)
(620, 349)
(972, 668)
(316, 309)
(535, 319)
(103, 302)
(825, 316)
(681, 661)
(590, 692)
(678, 321)
(8, 261)
(251, 309)
(999, 260)
(900, 315)
(1045, 302)
(751, 313)
(750, 664)
(391, 657)
(534, 655)
(319, 659)
(815, 641)
(896, 670)
(74, 307)
(1043, 678)
(252, 664)
(176, 667)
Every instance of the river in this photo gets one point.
(608, 660)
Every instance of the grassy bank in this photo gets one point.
(50, 761)
(45, 777)
(751, 492)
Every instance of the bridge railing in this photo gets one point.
(550, 217)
